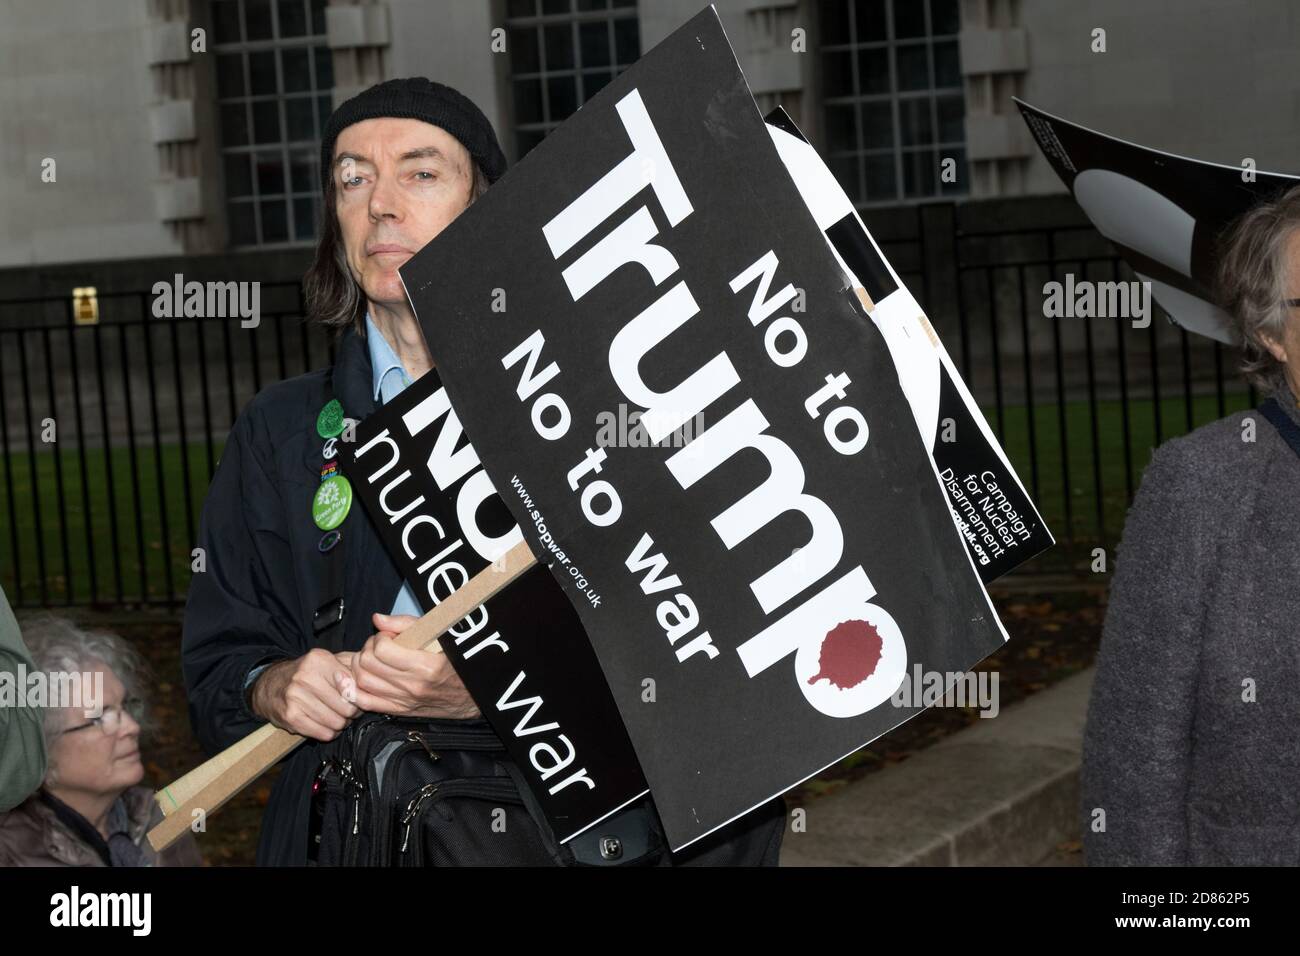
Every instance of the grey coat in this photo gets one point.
(1192, 746)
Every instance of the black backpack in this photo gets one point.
(407, 791)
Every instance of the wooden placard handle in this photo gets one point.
(210, 785)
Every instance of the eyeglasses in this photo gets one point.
(111, 719)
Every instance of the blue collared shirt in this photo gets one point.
(389, 378)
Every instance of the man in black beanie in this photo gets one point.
(293, 620)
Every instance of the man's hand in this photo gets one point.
(391, 679)
(305, 696)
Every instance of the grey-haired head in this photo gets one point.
(1258, 271)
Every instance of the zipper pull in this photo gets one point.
(413, 808)
(415, 737)
(406, 835)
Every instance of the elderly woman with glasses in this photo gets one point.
(1190, 753)
(90, 809)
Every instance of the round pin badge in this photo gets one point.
(328, 540)
(329, 470)
(329, 423)
(332, 503)
(331, 448)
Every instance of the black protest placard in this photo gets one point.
(522, 654)
(1166, 214)
(756, 593)
(992, 508)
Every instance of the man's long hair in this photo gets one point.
(334, 299)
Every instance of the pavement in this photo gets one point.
(1002, 792)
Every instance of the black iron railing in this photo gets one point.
(102, 508)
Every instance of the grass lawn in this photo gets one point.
(139, 554)
(142, 554)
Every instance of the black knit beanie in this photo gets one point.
(421, 99)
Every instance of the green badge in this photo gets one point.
(330, 421)
(332, 502)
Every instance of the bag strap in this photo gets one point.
(1283, 422)
(561, 854)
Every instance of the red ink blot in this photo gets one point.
(850, 652)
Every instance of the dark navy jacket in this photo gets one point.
(265, 577)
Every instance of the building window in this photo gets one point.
(562, 52)
(892, 91)
(274, 76)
